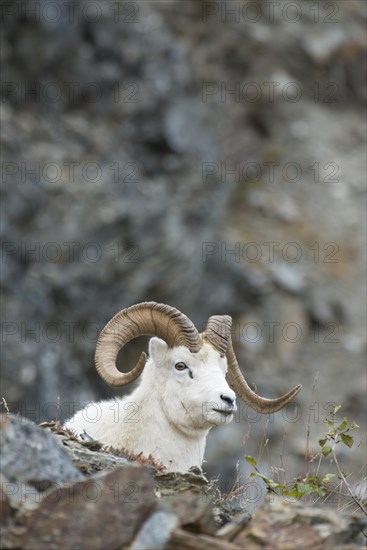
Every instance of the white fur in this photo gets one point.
(169, 414)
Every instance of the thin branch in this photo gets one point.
(359, 504)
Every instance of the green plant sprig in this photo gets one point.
(311, 484)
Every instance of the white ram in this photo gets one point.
(183, 390)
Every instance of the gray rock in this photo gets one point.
(155, 532)
(288, 277)
(195, 511)
(87, 456)
(168, 483)
(278, 524)
(105, 511)
(31, 455)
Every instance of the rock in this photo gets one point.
(18, 500)
(231, 529)
(321, 47)
(272, 204)
(105, 511)
(120, 509)
(288, 277)
(185, 540)
(194, 511)
(155, 532)
(87, 456)
(188, 128)
(169, 483)
(31, 456)
(279, 524)
(5, 506)
(322, 309)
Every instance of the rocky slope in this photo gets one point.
(63, 494)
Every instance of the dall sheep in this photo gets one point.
(188, 385)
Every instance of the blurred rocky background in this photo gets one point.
(210, 155)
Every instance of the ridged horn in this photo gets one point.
(144, 319)
(239, 385)
(218, 332)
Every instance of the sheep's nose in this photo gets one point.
(230, 400)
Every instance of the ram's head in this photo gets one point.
(204, 363)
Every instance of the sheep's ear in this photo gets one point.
(157, 350)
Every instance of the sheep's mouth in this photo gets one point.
(226, 412)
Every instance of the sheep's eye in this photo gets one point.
(180, 366)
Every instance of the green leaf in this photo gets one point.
(327, 478)
(264, 478)
(326, 450)
(322, 441)
(353, 426)
(330, 423)
(251, 460)
(336, 408)
(310, 479)
(342, 425)
(270, 483)
(304, 488)
(348, 440)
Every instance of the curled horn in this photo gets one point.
(218, 333)
(145, 319)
